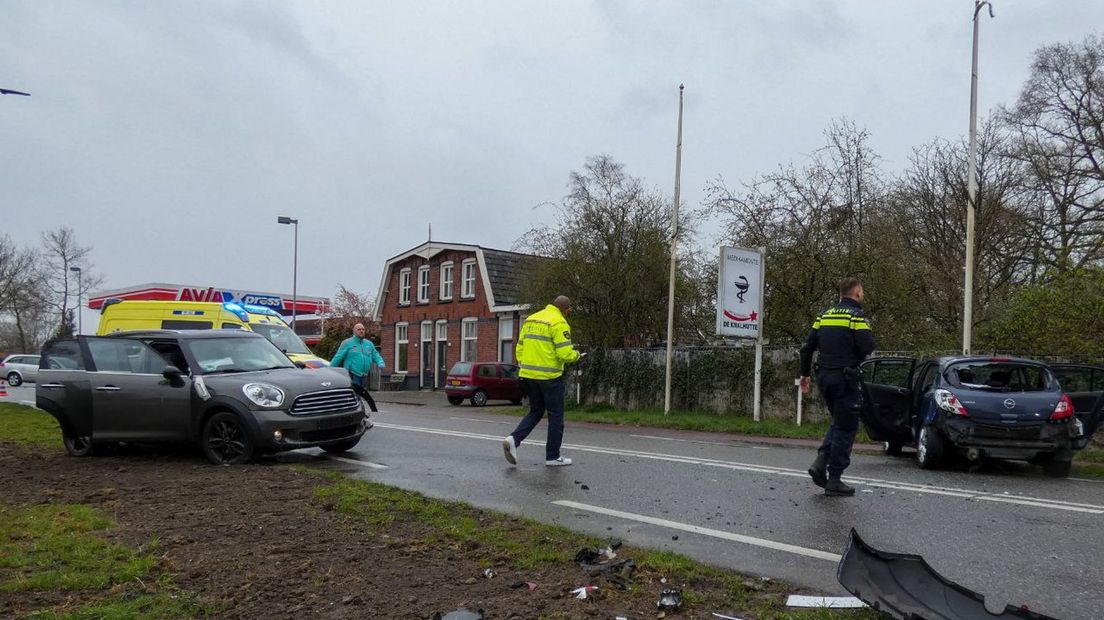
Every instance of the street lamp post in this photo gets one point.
(294, 268)
(971, 185)
(80, 319)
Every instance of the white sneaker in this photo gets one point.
(509, 450)
(560, 462)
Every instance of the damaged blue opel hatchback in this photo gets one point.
(982, 407)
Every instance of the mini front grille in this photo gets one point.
(329, 401)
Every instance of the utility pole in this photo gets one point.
(674, 259)
(971, 185)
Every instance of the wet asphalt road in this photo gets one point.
(1006, 531)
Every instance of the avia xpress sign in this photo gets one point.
(740, 293)
(217, 295)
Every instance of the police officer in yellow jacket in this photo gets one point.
(843, 337)
(543, 347)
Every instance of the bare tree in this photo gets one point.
(612, 254)
(1058, 123)
(928, 210)
(815, 221)
(60, 251)
(22, 299)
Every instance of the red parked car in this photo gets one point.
(483, 381)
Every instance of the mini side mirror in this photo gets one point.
(172, 372)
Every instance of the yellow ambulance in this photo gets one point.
(126, 315)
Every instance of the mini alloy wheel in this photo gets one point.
(225, 440)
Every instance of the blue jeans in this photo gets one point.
(544, 395)
(360, 386)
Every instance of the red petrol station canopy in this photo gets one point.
(280, 302)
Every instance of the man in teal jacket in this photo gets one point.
(357, 354)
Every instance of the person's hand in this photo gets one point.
(804, 385)
(582, 355)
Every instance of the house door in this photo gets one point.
(426, 375)
(441, 354)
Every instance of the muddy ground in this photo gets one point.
(253, 542)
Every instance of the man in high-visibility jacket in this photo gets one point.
(543, 347)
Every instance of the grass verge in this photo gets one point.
(530, 545)
(56, 553)
(27, 426)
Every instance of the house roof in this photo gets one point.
(502, 272)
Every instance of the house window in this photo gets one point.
(446, 280)
(506, 339)
(468, 351)
(401, 345)
(423, 284)
(469, 279)
(442, 330)
(404, 287)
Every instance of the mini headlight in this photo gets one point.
(264, 394)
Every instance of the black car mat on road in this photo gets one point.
(906, 587)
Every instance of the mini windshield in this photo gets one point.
(999, 376)
(226, 355)
(281, 336)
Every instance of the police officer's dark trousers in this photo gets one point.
(842, 394)
(544, 395)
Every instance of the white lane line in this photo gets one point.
(1096, 480)
(369, 464)
(735, 444)
(969, 494)
(694, 529)
(478, 420)
(343, 459)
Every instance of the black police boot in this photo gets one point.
(818, 470)
(837, 488)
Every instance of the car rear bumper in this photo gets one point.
(309, 431)
(459, 390)
(1008, 442)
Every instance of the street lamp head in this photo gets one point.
(74, 269)
(286, 220)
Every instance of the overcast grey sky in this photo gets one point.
(170, 135)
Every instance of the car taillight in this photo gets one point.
(1063, 409)
(948, 402)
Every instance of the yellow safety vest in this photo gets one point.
(544, 345)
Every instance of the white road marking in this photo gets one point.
(733, 444)
(478, 420)
(968, 494)
(356, 462)
(343, 459)
(694, 529)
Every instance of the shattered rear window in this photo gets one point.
(999, 376)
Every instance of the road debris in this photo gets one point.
(829, 602)
(582, 591)
(669, 598)
(904, 586)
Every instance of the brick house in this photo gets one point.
(442, 303)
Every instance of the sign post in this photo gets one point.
(740, 304)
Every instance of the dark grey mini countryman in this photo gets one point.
(232, 392)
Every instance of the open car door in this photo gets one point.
(887, 398)
(1085, 386)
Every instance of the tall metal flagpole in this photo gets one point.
(971, 185)
(674, 246)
